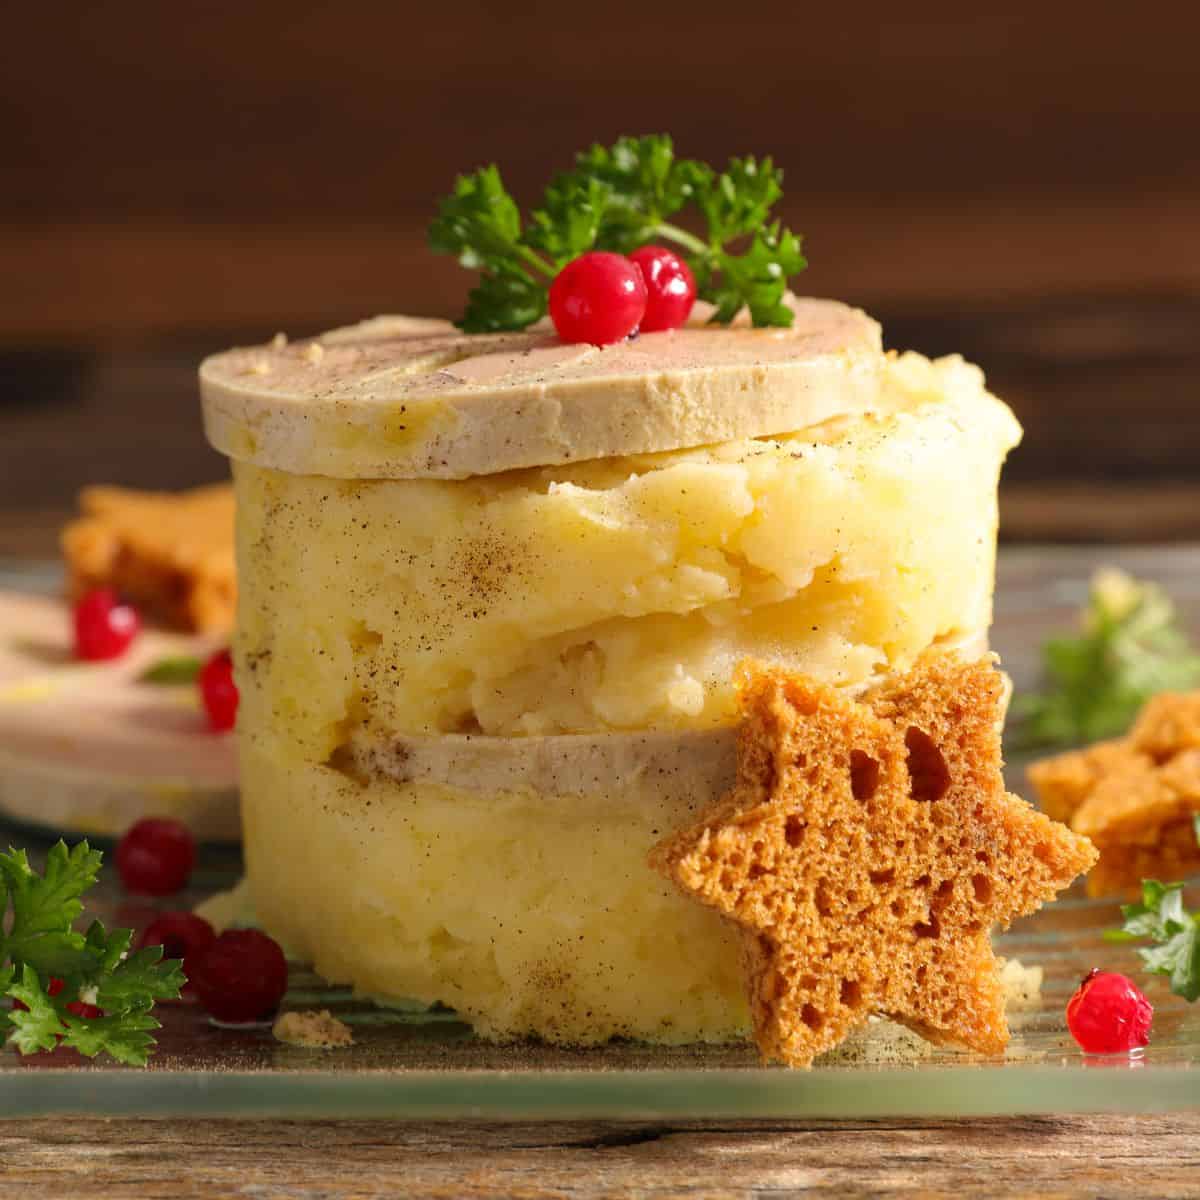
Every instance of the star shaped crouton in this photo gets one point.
(866, 850)
(1137, 797)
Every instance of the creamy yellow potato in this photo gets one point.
(528, 913)
(620, 593)
(607, 596)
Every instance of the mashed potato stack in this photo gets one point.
(387, 622)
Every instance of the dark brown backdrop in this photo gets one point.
(1020, 182)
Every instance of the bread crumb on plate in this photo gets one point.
(316, 1030)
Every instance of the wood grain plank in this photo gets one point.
(1116, 1157)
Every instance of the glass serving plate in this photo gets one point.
(420, 1063)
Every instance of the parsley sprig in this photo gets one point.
(38, 942)
(1174, 932)
(172, 670)
(617, 198)
(1129, 648)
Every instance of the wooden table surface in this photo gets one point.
(1115, 1157)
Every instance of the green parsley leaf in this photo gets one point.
(136, 982)
(505, 299)
(38, 942)
(182, 669)
(125, 1037)
(1161, 917)
(617, 198)
(1130, 648)
(40, 1027)
(45, 907)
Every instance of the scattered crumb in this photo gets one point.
(313, 353)
(320, 1030)
(279, 341)
(1022, 985)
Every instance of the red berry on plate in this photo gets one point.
(104, 626)
(156, 856)
(182, 935)
(82, 1009)
(598, 297)
(218, 692)
(1109, 1015)
(670, 287)
(241, 977)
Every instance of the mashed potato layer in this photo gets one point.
(528, 913)
(619, 593)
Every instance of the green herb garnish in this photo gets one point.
(1175, 932)
(38, 943)
(172, 671)
(618, 198)
(1130, 648)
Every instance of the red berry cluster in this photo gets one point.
(239, 975)
(601, 297)
(106, 626)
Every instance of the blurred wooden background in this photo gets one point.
(1018, 182)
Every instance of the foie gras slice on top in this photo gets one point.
(401, 397)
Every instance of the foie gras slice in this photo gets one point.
(402, 397)
(694, 764)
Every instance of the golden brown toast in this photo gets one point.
(1136, 798)
(169, 553)
(866, 850)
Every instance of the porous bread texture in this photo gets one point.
(169, 553)
(1135, 797)
(866, 851)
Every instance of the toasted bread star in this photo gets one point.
(170, 553)
(1137, 797)
(867, 849)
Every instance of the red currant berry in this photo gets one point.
(670, 287)
(598, 297)
(156, 856)
(241, 977)
(82, 1009)
(1109, 1015)
(104, 627)
(218, 692)
(182, 935)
